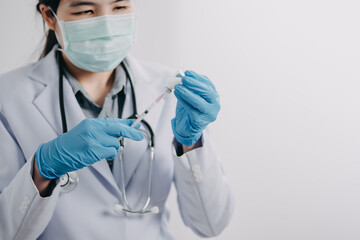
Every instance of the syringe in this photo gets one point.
(168, 89)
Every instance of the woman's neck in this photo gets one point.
(96, 84)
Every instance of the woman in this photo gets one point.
(61, 119)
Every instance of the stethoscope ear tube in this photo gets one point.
(61, 91)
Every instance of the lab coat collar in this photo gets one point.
(46, 69)
(47, 102)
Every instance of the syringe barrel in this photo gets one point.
(138, 120)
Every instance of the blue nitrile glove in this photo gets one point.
(198, 105)
(88, 142)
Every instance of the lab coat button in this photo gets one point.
(196, 167)
(22, 210)
(27, 199)
(24, 207)
(197, 175)
(198, 179)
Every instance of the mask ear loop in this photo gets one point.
(59, 23)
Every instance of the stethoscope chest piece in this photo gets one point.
(69, 181)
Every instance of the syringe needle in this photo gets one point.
(143, 114)
(176, 80)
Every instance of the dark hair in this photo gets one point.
(51, 40)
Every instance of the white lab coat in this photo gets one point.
(30, 115)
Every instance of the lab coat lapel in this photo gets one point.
(47, 102)
(145, 93)
(74, 116)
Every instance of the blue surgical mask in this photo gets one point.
(97, 44)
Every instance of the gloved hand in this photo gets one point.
(198, 105)
(88, 142)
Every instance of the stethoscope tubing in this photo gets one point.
(128, 208)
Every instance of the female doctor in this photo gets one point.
(64, 173)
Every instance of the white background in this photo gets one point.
(288, 73)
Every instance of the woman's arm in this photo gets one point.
(192, 147)
(42, 184)
(205, 199)
(24, 213)
(182, 149)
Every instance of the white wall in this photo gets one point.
(289, 130)
(21, 30)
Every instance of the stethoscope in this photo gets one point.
(69, 181)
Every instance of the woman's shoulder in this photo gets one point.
(16, 86)
(9, 78)
(14, 80)
(40, 70)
